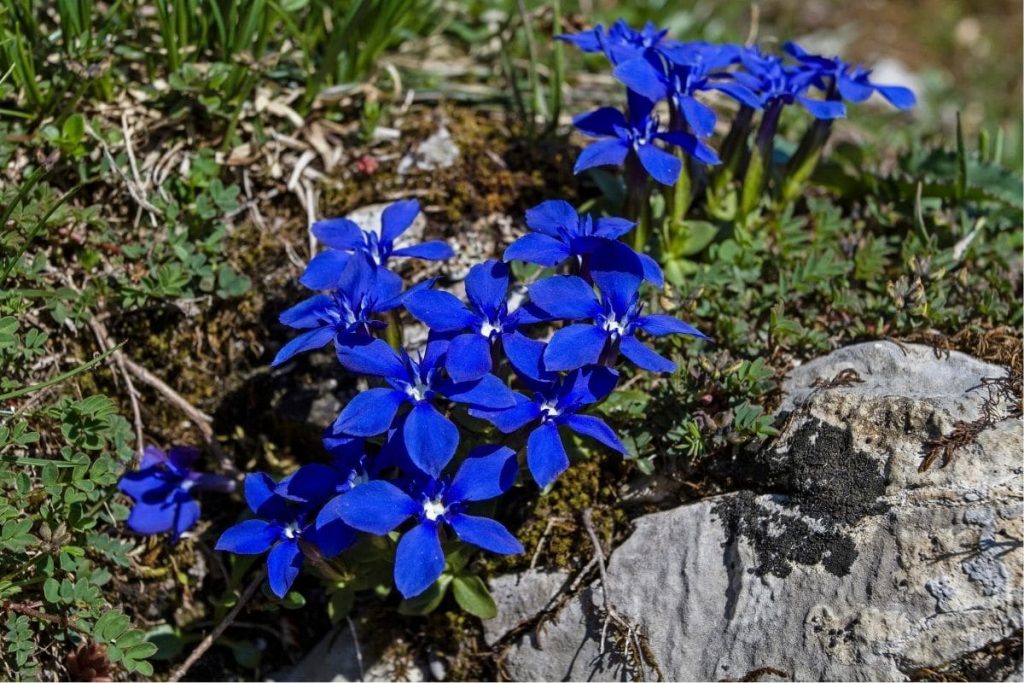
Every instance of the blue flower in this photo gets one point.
(615, 318)
(780, 84)
(280, 526)
(315, 483)
(430, 437)
(162, 491)
(849, 82)
(474, 329)
(378, 507)
(344, 237)
(637, 136)
(681, 82)
(559, 233)
(363, 291)
(556, 402)
(621, 42)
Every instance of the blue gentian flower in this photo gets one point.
(162, 490)
(559, 233)
(378, 507)
(314, 483)
(621, 42)
(363, 292)
(343, 237)
(280, 526)
(849, 82)
(474, 329)
(779, 84)
(637, 135)
(430, 437)
(556, 401)
(615, 319)
(680, 83)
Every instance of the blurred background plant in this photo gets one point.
(161, 162)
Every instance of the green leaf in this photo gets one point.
(692, 238)
(427, 601)
(472, 595)
(340, 604)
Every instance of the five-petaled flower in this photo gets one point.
(162, 491)
(779, 84)
(557, 400)
(474, 329)
(429, 436)
(344, 237)
(280, 526)
(841, 80)
(637, 135)
(559, 233)
(615, 318)
(346, 312)
(378, 507)
(680, 82)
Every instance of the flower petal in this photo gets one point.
(545, 454)
(527, 357)
(486, 473)
(375, 507)
(823, 109)
(396, 218)
(283, 565)
(509, 420)
(339, 233)
(485, 533)
(652, 271)
(699, 116)
(574, 346)
(659, 325)
(307, 341)
(312, 483)
(251, 537)
(334, 537)
(430, 438)
(641, 77)
(600, 122)
(155, 518)
(554, 217)
(661, 165)
(324, 270)
(486, 392)
(369, 356)
(644, 357)
(260, 496)
(308, 313)
(487, 286)
(611, 227)
(601, 153)
(440, 311)
(536, 248)
(565, 297)
(419, 559)
(897, 95)
(370, 413)
(432, 250)
(468, 357)
(595, 428)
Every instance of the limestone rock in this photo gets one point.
(842, 560)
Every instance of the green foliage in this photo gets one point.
(468, 589)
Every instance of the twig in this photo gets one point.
(552, 522)
(29, 611)
(201, 419)
(207, 642)
(103, 338)
(359, 650)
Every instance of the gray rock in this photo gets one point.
(436, 152)
(335, 658)
(845, 563)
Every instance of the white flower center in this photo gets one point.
(611, 324)
(417, 391)
(291, 531)
(487, 329)
(550, 409)
(187, 485)
(432, 509)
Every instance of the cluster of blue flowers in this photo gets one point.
(655, 68)
(402, 464)
(395, 447)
